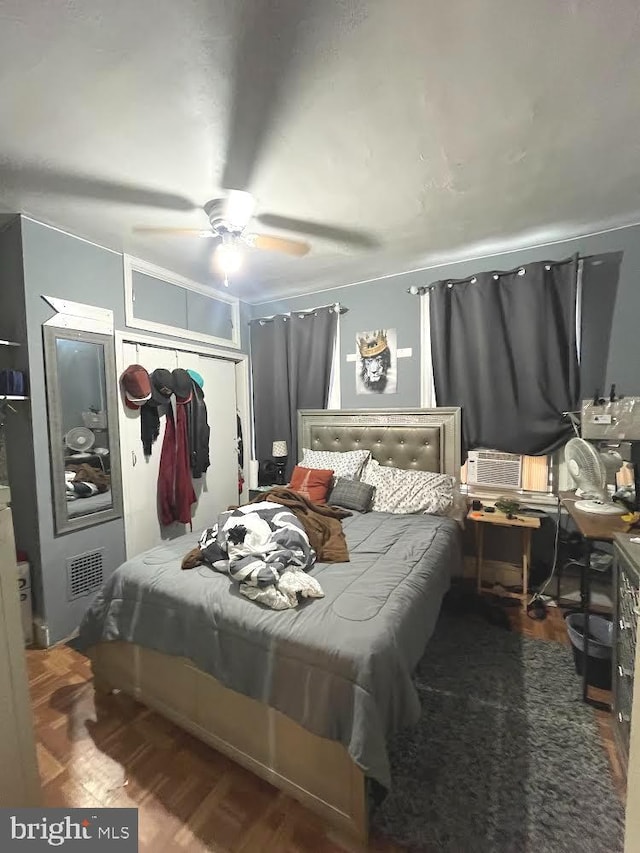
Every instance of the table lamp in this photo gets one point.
(279, 453)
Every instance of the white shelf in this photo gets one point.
(9, 344)
(11, 397)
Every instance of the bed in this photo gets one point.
(305, 698)
(94, 503)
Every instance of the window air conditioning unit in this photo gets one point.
(493, 468)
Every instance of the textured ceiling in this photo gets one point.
(433, 128)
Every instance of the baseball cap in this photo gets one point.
(162, 386)
(196, 377)
(136, 385)
(182, 385)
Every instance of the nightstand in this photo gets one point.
(526, 523)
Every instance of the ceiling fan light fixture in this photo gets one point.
(228, 256)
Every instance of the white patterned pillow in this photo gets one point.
(397, 490)
(347, 465)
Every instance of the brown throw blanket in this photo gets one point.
(88, 474)
(321, 523)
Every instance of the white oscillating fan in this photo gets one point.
(587, 469)
(79, 439)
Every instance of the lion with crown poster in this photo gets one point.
(376, 363)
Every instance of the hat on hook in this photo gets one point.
(161, 386)
(136, 386)
(196, 377)
(182, 385)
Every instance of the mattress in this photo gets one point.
(340, 666)
(94, 503)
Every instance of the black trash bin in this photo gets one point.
(600, 644)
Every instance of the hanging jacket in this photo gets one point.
(175, 489)
(240, 441)
(198, 431)
(240, 454)
(149, 426)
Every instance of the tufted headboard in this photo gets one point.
(424, 439)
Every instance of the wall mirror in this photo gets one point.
(83, 427)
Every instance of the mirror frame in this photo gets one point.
(62, 522)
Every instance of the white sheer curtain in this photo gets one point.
(427, 387)
(335, 397)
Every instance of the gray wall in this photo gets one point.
(385, 303)
(20, 449)
(57, 264)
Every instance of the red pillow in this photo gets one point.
(312, 483)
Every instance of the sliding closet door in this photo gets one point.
(216, 489)
(140, 475)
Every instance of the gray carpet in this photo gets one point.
(506, 758)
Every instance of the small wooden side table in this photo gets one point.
(526, 523)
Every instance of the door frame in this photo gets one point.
(243, 392)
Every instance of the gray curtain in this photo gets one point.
(291, 359)
(503, 346)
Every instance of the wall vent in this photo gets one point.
(84, 573)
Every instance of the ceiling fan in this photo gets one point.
(228, 218)
(267, 43)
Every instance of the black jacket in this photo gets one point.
(198, 432)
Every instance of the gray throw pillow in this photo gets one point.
(351, 494)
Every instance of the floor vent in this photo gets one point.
(85, 573)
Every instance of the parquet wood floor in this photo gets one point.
(98, 750)
(111, 751)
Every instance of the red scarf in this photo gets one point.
(175, 488)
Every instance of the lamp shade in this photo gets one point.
(279, 449)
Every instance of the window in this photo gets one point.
(491, 471)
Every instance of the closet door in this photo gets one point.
(216, 489)
(140, 474)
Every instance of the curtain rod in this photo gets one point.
(338, 307)
(420, 290)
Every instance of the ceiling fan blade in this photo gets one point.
(24, 176)
(271, 243)
(266, 36)
(191, 232)
(352, 236)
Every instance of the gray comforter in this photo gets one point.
(340, 665)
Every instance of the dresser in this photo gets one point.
(19, 780)
(626, 594)
(626, 677)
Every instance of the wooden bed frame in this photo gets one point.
(317, 772)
